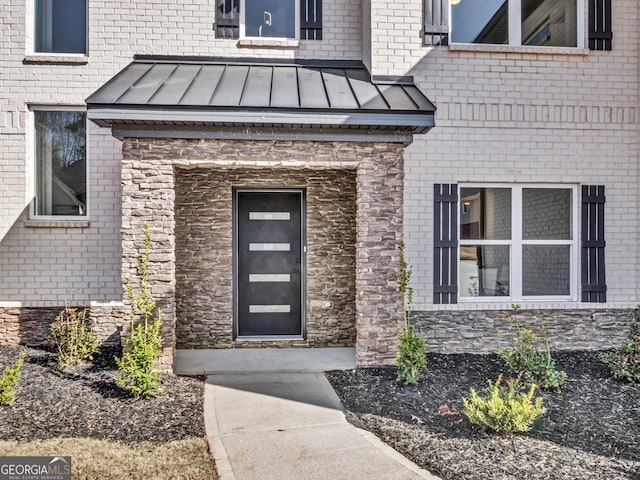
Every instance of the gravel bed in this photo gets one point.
(591, 429)
(84, 401)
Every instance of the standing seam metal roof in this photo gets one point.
(166, 91)
(179, 83)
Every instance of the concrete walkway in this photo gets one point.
(290, 426)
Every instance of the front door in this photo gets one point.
(269, 263)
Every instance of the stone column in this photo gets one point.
(378, 229)
(148, 197)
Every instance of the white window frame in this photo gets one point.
(243, 35)
(516, 243)
(515, 26)
(31, 28)
(32, 170)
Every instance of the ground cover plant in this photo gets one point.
(9, 381)
(108, 433)
(624, 362)
(412, 358)
(530, 357)
(590, 431)
(144, 344)
(504, 407)
(71, 337)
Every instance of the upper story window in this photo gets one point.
(60, 26)
(551, 23)
(60, 163)
(517, 242)
(269, 18)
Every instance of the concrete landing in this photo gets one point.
(263, 360)
(290, 426)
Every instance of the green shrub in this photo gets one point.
(142, 348)
(529, 358)
(624, 362)
(411, 357)
(71, 337)
(9, 381)
(504, 408)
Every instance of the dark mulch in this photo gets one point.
(591, 429)
(84, 401)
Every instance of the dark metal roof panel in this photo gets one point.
(397, 98)
(111, 91)
(175, 86)
(257, 89)
(312, 90)
(284, 88)
(201, 90)
(338, 89)
(146, 86)
(231, 86)
(366, 93)
(418, 97)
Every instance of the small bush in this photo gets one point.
(529, 358)
(9, 381)
(71, 338)
(411, 357)
(142, 348)
(504, 408)
(624, 362)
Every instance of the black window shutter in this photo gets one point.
(600, 25)
(445, 244)
(594, 286)
(436, 22)
(227, 19)
(311, 19)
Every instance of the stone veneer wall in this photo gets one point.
(148, 196)
(483, 331)
(30, 325)
(204, 258)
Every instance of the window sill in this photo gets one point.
(268, 43)
(522, 49)
(46, 223)
(55, 59)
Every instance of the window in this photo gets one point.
(269, 18)
(279, 19)
(60, 163)
(552, 23)
(517, 242)
(60, 26)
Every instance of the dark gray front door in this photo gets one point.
(269, 263)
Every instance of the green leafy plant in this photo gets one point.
(411, 357)
(72, 338)
(144, 345)
(9, 381)
(530, 357)
(624, 362)
(504, 408)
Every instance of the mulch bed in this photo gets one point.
(84, 401)
(591, 429)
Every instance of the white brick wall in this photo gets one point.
(516, 115)
(45, 266)
(504, 115)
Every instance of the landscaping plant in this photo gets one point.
(624, 362)
(411, 357)
(72, 338)
(504, 408)
(9, 381)
(144, 345)
(529, 358)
